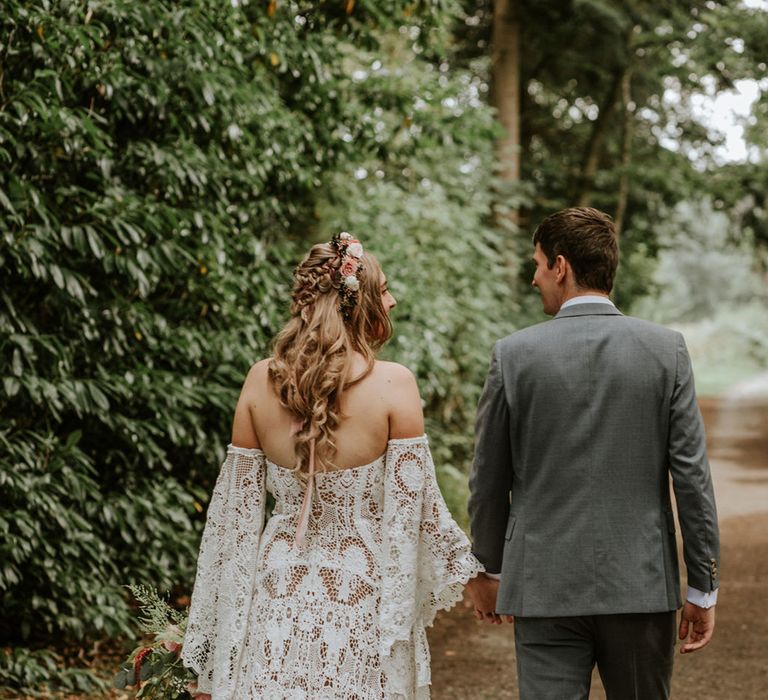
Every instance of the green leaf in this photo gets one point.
(6, 202)
(98, 396)
(73, 438)
(16, 365)
(121, 680)
(57, 275)
(11, 386)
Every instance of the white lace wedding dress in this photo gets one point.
(344, 615)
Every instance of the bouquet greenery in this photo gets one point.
(155, 668)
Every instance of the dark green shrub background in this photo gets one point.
(164, 167)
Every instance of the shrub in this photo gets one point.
(164, 166)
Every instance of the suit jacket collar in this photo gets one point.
(588, 310)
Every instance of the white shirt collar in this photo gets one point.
(587, 299)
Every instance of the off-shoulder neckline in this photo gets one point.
(255, 451)
(359, 467)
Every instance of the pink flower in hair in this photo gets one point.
(348, 267)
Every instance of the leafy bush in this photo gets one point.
(155, 154)
(139, 282)
(422, 201)
(712, 289)
(700, 268)
(164, 167)
(728, 347)
(25, 671)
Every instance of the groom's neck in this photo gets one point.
(585, 293)
(580, 292)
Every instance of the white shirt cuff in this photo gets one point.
(703, 600)
(496, 577)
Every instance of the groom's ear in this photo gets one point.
(561, 268)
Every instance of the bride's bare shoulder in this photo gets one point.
(256, 383)
(394, 372)
(405, 413)
(259, 370)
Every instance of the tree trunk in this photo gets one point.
(626, 152)
(505, 96)
(620, 87)
(593, 151)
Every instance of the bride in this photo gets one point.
(330, 598)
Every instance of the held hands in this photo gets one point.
(483, 591)
(699, 623)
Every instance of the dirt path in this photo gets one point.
(476, 661)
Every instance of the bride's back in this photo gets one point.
(372, 411)
(323, 402)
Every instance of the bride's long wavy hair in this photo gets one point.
(312, 355)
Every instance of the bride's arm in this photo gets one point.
(227, 560)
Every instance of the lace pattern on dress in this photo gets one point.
(426, 561)
(226, 569)
(343, 617)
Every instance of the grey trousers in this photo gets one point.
(633, 653)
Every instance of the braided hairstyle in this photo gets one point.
(312, 355)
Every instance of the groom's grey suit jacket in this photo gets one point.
(581, 423)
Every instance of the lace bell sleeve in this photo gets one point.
(427, 561)
(226, 569)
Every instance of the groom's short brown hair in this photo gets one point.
(586, 238)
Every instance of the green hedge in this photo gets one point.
(164, 165)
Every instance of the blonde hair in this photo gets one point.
(312, 354)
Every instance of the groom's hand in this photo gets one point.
(699, 623)
(483, 591)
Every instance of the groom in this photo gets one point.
(581, 423)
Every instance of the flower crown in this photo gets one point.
(350, 250)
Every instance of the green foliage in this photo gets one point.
(161, 677)
(156, 668)
(49, 490)
(741, 191)
(699, 268)
(708, 283)
(575, 57)
(155, 613)
(164, 167)
(422, 201)
(729, 347)
(157, 152)
(25, 671)
(139, 281)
